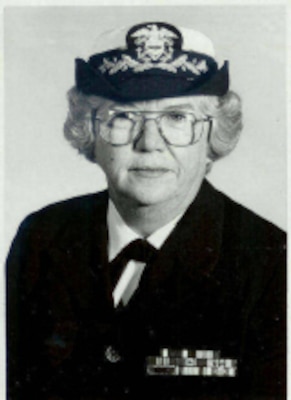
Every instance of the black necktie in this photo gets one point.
(138, 250)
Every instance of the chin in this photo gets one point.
(149, 197)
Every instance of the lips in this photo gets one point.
(149, 172)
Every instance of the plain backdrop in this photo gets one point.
(40, 46)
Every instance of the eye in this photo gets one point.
(176, 116)
(175, 119)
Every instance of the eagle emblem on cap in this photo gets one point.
(154, 43)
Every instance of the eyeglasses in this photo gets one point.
(177, 128)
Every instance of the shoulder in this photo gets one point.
(248, 227)
(237, 222)
(254, 248)
(78, 204)
(71, 214)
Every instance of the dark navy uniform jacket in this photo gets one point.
(218, 283)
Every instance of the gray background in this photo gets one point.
(40, 46)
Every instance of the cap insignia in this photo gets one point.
(153, 43)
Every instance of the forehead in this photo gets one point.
(187, 103)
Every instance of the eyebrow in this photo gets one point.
(183, 106)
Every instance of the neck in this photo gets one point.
(146, 219)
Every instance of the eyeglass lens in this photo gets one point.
(177, 128)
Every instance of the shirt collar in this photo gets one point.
(120, 234)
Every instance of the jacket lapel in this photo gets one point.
(193, 248)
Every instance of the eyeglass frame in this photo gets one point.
(157, 119)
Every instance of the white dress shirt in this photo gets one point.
(120, 235)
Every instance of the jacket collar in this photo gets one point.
(191, 250)
(194, 243)
(120, 234)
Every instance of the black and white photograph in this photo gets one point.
(145, 202)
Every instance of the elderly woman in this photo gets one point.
(161, 286)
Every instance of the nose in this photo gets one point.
(149, 138)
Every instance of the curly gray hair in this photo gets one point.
(226, 110)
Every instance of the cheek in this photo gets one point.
(112, 160)
(193, 162)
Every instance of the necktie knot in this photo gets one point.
(139, 250)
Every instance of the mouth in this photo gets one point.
(149, 172)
